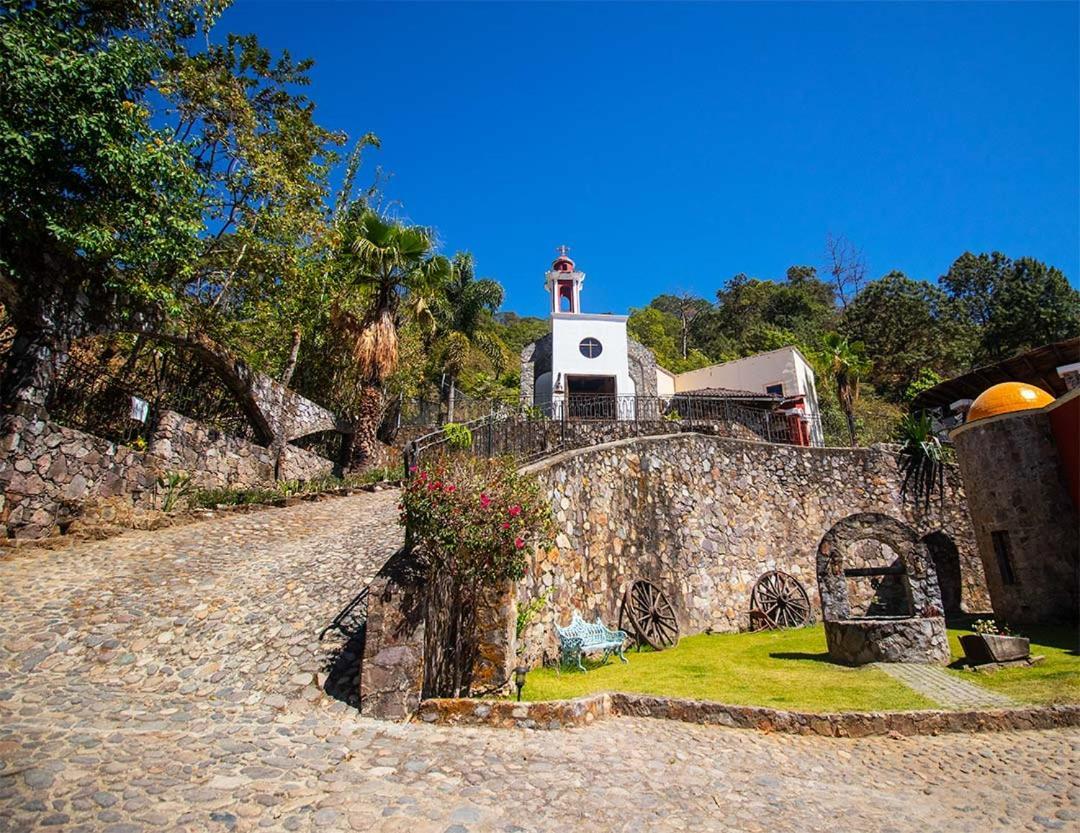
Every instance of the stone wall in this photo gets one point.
(1020, 496)
(642, 364)
(535, 359)
(49, 471)
(703, 517)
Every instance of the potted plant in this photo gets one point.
(993, 643)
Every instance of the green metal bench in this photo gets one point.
(581, 637)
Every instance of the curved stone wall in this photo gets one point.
(1025, 520)
(704, 516)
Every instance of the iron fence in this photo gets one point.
(414, 412)
(124, 403)
(530, 432)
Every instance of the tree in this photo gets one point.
(149, 184)
(684, 307)
(661, 332)
(378, 262)
(1016, 305)
(96, 201)
(752, 312)
(463, 313)
(847, 268)
(906, 326)
(262, 163)
(846, 365)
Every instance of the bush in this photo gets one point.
(473, 522)
(474, 518)
(250, 496)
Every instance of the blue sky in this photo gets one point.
(672, 146)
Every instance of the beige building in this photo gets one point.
(784, 373)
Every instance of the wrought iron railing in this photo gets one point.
(123, 406)
(534, 431)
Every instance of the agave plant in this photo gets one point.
(922, 458)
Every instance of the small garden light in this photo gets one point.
(519, 679)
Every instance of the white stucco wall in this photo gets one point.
(785, 366)
(567, 331)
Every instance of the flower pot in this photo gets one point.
(981, 648)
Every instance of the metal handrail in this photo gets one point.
(531, 432)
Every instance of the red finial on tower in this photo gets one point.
(563, 263)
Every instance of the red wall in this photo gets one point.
(1065, 423)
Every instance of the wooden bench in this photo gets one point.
(581, 637)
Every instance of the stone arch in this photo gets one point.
(915, 564)
(945, 557)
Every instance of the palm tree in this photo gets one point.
(388, 270)
(846, 363)
(462, 319)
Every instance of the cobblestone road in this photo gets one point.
(174, 681)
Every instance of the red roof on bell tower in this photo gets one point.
(562, 263)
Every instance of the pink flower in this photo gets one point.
(519, 542)
(485, 501)
(515, 510)
(506, 525)
(450, 487)
(413, 469)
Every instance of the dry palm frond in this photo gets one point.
(376, 347)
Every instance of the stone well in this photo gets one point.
(900, 639)
(856, 640)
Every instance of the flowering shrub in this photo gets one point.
(475, 519)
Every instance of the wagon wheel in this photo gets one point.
(781, 599)
(651, 615)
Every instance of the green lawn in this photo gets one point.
(1055, 680)
(791, 670)
(781, 669)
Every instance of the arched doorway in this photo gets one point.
(946, 560)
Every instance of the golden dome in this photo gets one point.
(1006, 398)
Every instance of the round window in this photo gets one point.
(590, 348)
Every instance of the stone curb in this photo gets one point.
(561, 714)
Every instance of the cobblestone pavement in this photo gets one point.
(170, 681)
(943, 688)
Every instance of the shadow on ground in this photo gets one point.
(343, 663)
(823, 656)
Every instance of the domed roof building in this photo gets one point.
(1007, 398)
(1019, 455)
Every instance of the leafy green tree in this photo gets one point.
(924, 380)
(801, 305)
(662, 333)
(144, 180)
(1016, 305)
(97, 202)
(262, 162)
(516, 331)
(906, 326)
(464, 321)
(685, 308)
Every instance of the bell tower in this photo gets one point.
(564, 283)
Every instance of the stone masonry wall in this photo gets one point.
(49, 471)
(1018, 490)
(703, 517)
